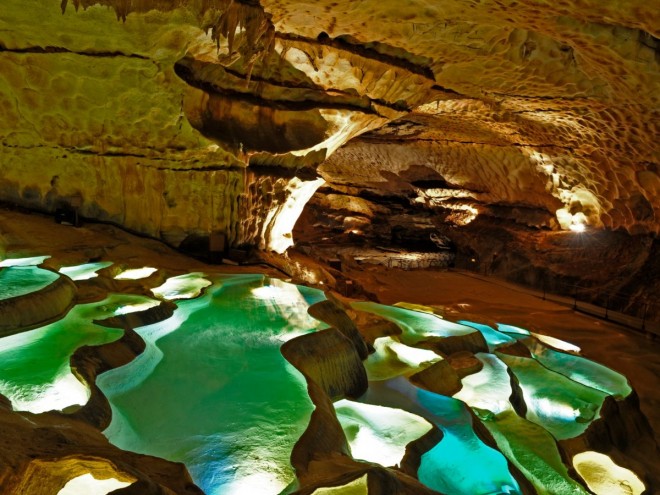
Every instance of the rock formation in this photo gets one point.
(510, 138)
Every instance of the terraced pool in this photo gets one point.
(213, 391)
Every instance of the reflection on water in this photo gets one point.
(213, 391)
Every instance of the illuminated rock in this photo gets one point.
(85, 271)
(604, 477)
(333, 314)
(329, 359)
(182, 286)
(464, 363)
(440, 378)
(472, 342)
(392, 358)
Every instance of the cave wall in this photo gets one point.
(149, 114)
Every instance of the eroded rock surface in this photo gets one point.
(539, 113)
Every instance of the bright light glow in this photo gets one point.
(134, 308)
(64, 392)
(413, 356)
(556, 343)
(281, 219)
(261, 481)
(416, 307)
(393, 358)
(510, 329)
(562, 406)
(227, 340)
(462, 215)
(359, 486)
(415, 325)
(604, 477)
(494, 338)
(89, 485)
(35, 260)
(286, 301)
(577, 227)
(182, 287)
(557, 410)
(84, 272)
(136, 273)
(268, 292)
(379, 434)
(490, 388)
(579, 369)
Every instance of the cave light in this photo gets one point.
(136, 273)
(488, 389)
(510, 329)
(282, 218)
(494, 338)
(392, 358)
(564, 407)
(578, 227)
(415, 325)
(64, 392)
(185, 286)
(89, 485)
(267, 292)
(264, 479)
(286, 301)
(379, 434)
(557, 343)
(604, 477)
(580, 369)
(134, 308)
(34, 260)
(84, 271)
(359, 486)
(413, 356)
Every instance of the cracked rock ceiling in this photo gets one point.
(147, 112)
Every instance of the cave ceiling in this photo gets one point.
(169, 117)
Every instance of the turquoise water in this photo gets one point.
(416, 325)
(460, 464)
(563, 407)
(530, 447)
(493, 337)
(580, 369)
(212, 389)
(20, 280)
(35, 373)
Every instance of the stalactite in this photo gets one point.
(222, 18)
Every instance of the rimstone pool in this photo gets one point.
(213, 391)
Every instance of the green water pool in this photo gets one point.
(34, 365)
(213, 391)
(21, 280)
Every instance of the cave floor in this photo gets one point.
(461, 295)
(458, 295)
